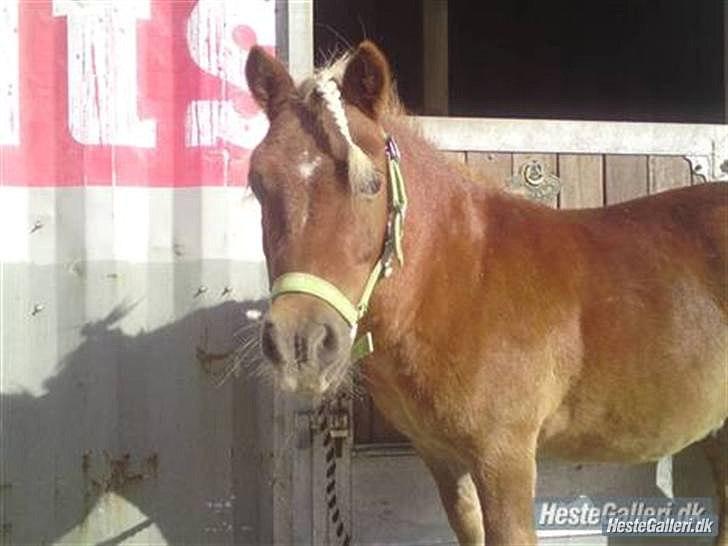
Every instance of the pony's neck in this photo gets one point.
(439, 221)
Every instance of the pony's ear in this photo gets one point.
(368, 80)
(268, 80)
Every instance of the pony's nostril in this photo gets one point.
(268, 344)
(329, 342)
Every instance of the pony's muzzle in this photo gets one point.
(307, 352)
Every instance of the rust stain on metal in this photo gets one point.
(151, 463)
(118, 473)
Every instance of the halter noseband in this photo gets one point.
(306, 283)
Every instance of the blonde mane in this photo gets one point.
(324, 87)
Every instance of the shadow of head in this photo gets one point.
(137, 419)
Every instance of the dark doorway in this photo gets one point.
(638, 60)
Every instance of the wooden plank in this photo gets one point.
(383, 432)
(298, 40)
(492, 169)
(582, 178)
(456, 156)
(625, 178)
(435, 57)
(302, 498)
(569, 136)
(362, 411)
(668, 172)
(547, 160)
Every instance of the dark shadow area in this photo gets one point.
(636, 60)
(139, 416)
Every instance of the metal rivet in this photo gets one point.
(226, 291)
(36, 226)
(201, 290)
(37, 308)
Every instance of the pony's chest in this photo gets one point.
(405, 403)
(392, 394)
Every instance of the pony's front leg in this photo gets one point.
(460, 499)
(505, 477)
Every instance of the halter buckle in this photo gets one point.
(391, 149)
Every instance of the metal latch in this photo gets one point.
(339, 429)
(338, 424)
(534, 182)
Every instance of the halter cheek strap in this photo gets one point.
(307, 283)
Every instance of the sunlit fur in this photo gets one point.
(513, 329)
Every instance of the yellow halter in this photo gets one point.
(306, 283)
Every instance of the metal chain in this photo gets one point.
(332, 507)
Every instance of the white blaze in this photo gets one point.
(307, 166)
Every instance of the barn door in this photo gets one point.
(391, 497)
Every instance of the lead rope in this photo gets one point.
(332, 504)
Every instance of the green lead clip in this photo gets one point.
(364, 346)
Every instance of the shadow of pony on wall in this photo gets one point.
(134, 438)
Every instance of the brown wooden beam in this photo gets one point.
(435, 57)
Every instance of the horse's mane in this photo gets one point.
(395, 117)
(333, 69)
(321, 93)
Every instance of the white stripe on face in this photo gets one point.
(307, 166)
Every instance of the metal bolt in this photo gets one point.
(226, 291)
(37, 308)
(36, 226)
(201, 290)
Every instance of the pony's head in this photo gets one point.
(320, 175)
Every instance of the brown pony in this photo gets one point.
(511, 328)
